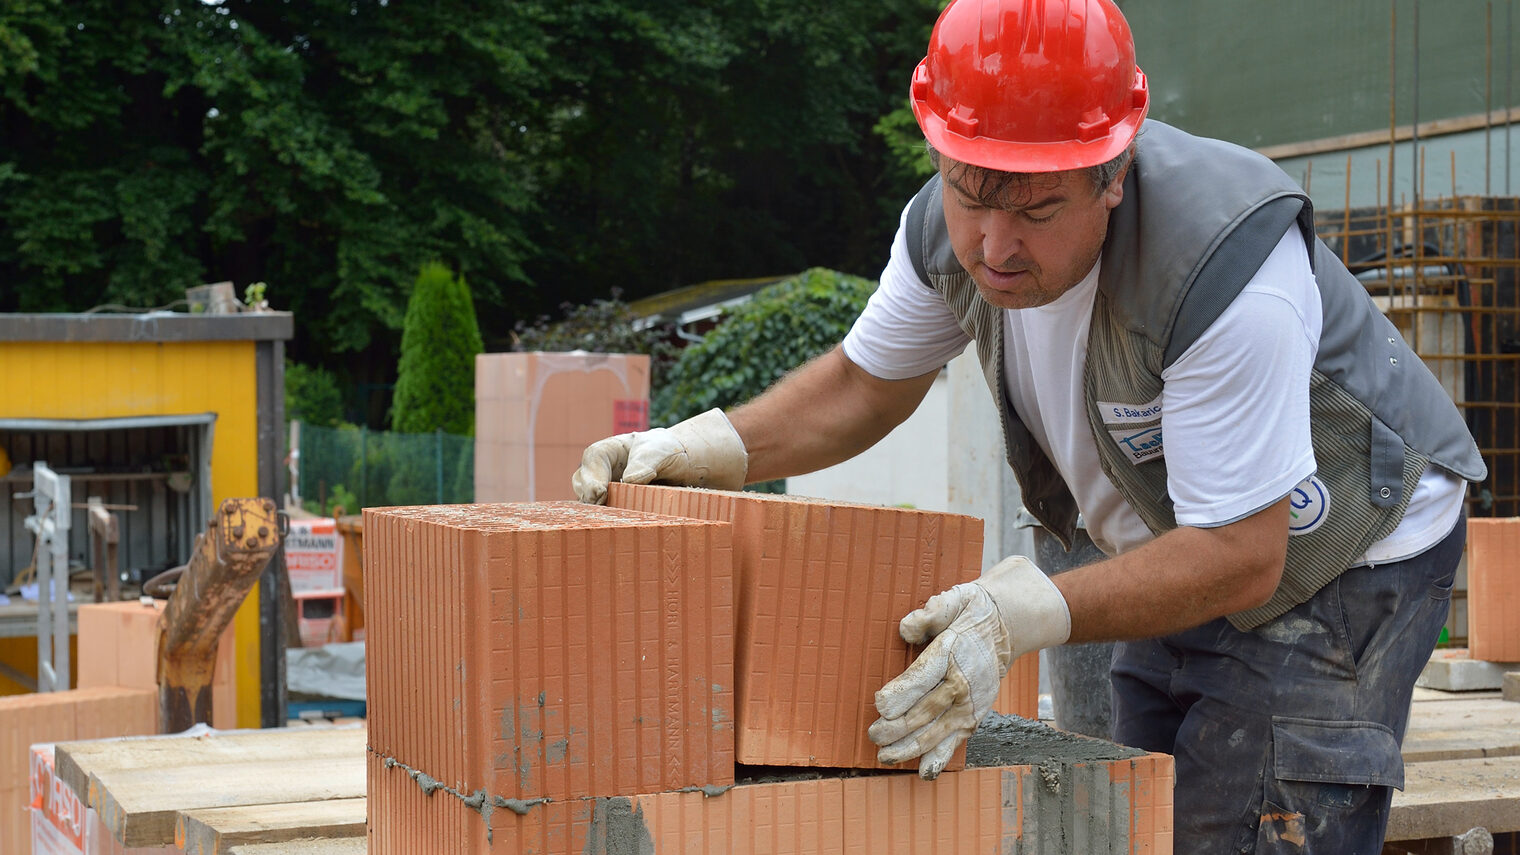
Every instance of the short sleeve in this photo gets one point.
(1235, 405)
(906, 329)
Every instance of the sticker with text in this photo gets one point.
(1115, 413)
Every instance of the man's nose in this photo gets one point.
(1002, 238)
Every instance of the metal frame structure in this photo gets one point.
(50, 522)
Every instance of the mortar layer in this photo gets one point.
(1005, 740)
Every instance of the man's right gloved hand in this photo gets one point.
(703, 451)
(978, 628)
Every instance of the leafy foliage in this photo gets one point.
(601, 326)
(435, 384)
(364, 468)
(548, 149)
(312, 395)
(779, 328)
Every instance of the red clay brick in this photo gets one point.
(1108, 807)
(536, 413)
(26, 720)
(1493, 588)
(118, 646)
(1020, 692)
(821, 589)
(550, 650)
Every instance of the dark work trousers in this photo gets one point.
(1287, 737)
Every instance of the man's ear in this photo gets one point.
(1113, 194)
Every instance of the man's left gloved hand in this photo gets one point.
(978, 628)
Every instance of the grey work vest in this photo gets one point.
(1197, 220)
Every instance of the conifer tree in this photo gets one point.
(435, 382)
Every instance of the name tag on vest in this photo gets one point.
(1135, 428)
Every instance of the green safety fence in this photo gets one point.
(361, 468)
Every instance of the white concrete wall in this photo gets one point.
(908, 467)
(947, 456)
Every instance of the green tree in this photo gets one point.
(328, 147)
(435, 383)
(549, 149)
(312, 395)
(779, 328)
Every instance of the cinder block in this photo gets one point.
(1511, 687)
(1493, 588)
(118, 646)
(536, 412)
(822, 587)
(550, 650)
(56, 717)
(1121, 806)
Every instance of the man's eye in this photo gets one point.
(1040, 219)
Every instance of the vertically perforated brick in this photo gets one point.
(118, 646)
(554, 650)
(26, 720)
(822, 587)
(1117, 807)
(1493, 588)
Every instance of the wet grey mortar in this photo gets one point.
(1001, 740)
(1004, 740)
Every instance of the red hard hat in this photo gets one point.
(1030, 85)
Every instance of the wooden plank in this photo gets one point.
(1462, 729)
(139, 806)
(76, 762)
(213, 831)
(1445, 798)
(346, 846)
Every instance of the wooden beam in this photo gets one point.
(140, 806)
(75, 763)
(1447, 798)
(213, 831)
(348, 846)
(1461, 729)
(1438, 127)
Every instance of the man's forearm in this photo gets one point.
(1184, 578)
(827, 411)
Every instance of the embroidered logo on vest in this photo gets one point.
(1308, 506)
(1141, 445)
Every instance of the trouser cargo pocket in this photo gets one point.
(1329, 787)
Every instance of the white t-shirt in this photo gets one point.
(1234, 406)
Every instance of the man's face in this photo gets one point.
(1031, 240)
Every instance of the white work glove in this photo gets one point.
(703, 451)
(978, 628)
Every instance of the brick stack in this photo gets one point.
(563, 678)
(118, 646)
(26, 720)
(540, 652)
(1493, 588)
(536, 412)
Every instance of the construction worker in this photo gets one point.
(1276, 479)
